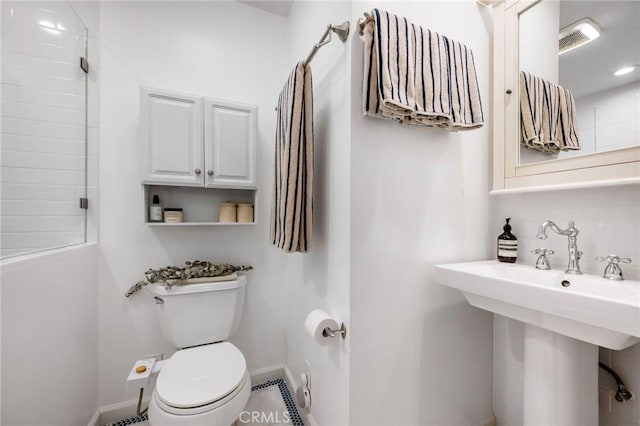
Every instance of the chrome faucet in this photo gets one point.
(571, 232)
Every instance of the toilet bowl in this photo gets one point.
(204, 385)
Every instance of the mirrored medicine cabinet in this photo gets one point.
(590, 48)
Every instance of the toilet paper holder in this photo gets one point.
(327, 332)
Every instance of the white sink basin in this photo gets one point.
(592, 309)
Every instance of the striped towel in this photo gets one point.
(568, 131)
(292, 198)
(417, 76)
(547, 116)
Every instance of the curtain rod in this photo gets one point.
(342, 31)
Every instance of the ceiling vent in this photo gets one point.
(577, 34)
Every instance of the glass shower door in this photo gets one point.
(43, 132)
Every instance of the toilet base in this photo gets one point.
(224, 412)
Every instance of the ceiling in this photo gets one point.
(281, 8)
(589, 69)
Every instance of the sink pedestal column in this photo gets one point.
(560, 380)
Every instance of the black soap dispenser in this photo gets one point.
(507, 245)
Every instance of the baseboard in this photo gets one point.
(266, 373)
(95, 419)
(307, 417)
(114, 412)
(492, 421)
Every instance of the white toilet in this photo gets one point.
(206, 382)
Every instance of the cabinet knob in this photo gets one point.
(210, 172)
(198, 171)
(509, 91)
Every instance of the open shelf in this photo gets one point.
(200, 206)
(200, 223)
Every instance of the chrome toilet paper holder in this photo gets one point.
(327, 332)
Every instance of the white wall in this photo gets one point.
(221, 49)
(419, 354)
(49, 338)
(322, 280)
(609, 222)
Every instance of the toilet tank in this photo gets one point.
(196, 314)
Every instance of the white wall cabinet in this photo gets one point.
(197, 153)
(171, 131)
(229, 144)
(185, 144)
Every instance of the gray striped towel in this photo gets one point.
(292, 197)
(417, 76)
(547, 116)
(568, 130)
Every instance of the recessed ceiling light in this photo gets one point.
(577, 34)
(624, 70)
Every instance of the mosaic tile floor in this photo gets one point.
(270, 404)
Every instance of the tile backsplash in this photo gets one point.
(608, 219)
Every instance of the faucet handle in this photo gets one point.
(612, 271)
(543, 261)
(612, 258)
(542, 251)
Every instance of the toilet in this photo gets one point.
(206, 382)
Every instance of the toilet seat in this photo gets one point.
(201, 376)
(246, 383)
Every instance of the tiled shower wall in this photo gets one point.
(44, 111)
(609, 223)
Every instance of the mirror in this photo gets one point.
(592, 49)
(566, 93)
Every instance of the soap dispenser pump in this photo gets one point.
(507, 245)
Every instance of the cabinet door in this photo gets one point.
(230, 132)
(172, 138)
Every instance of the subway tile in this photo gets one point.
(34, 207)
(26, 62)
(31, 95)
(40, 240)
(12, 191)
(42, 177)
(43, 223)
(50, 161)
(42, 129)
(49, 114)
(73, 85)
(604, 399)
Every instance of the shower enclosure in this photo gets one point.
(43, 145)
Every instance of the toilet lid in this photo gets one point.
(202, 375)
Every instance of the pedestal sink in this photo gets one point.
(567, 317)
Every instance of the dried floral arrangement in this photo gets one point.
(180, 275)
